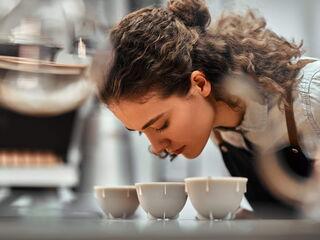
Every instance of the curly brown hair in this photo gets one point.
(155, 49)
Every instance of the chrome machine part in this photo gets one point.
(42, 88)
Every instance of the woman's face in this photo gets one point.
(179, 125)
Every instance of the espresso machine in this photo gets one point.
(39, 106)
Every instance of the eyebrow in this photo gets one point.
(150, 122)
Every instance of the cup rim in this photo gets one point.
(219, 179)
(123, 187)
(159, 183)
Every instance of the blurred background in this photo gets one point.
(56, 140)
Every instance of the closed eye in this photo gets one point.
(164, 126)
(131, 130)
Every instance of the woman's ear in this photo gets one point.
(200, 84)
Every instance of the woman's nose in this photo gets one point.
(155, 149)
(157, 145)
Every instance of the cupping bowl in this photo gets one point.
(215, 197)
(162, 200)
(117, 202)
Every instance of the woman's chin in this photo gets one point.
(191, 155)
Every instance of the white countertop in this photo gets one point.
(86, 228)
(44, 217)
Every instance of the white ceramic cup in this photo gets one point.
(117, 201)
(162, 200)
(215, 197)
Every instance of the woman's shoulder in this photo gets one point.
(309, 91)
(309, 71)
(309, 77)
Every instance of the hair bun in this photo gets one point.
(193, 13)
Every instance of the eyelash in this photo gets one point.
(165, 125)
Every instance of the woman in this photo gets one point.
(174, 79)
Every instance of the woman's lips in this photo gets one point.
(180, 150)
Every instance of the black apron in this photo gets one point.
(242, 163)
